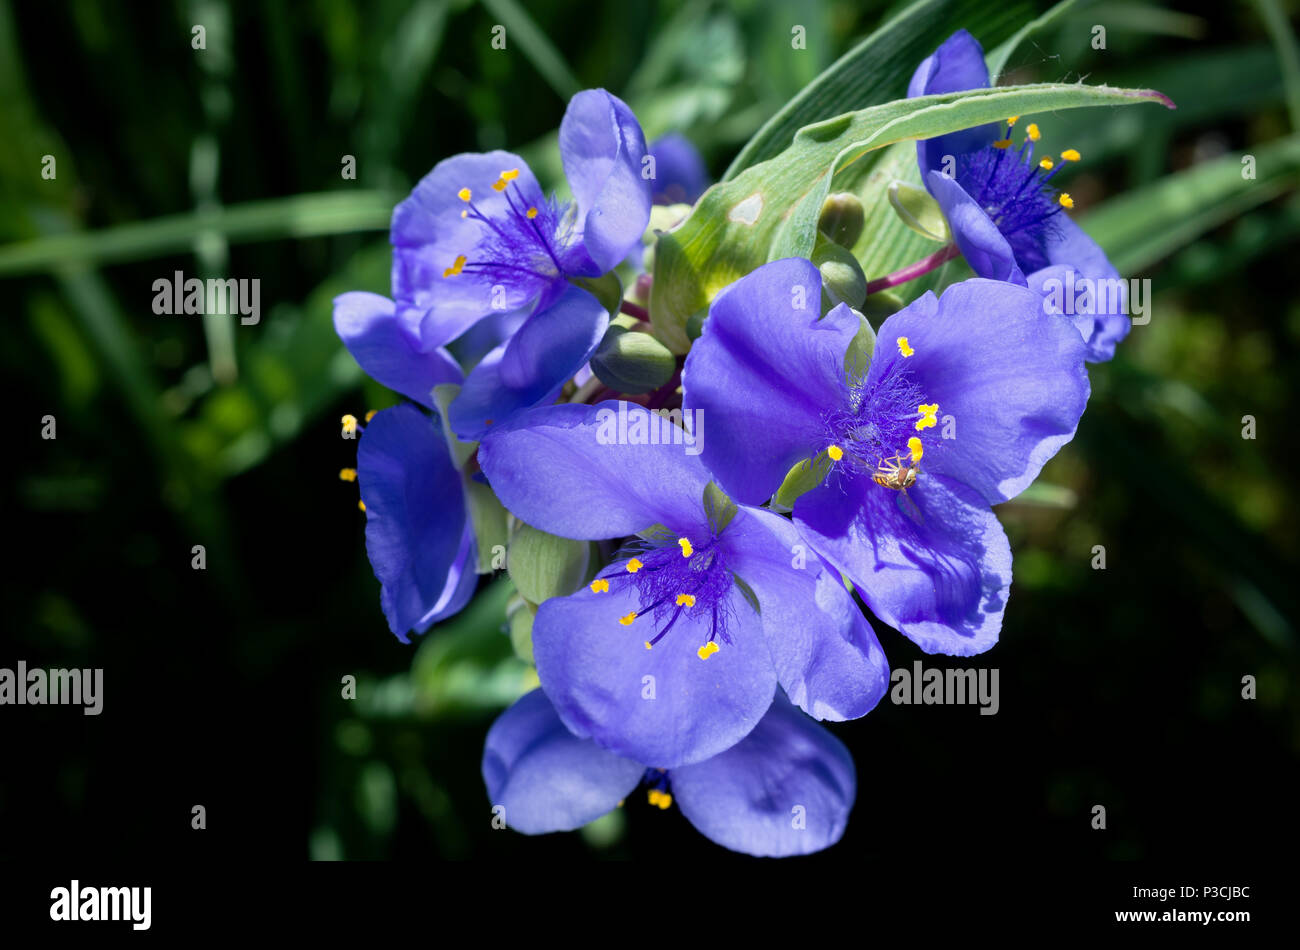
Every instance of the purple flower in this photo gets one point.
(418, 534)
(965, 398)
(1005, 216)
(674, 652)
(786, 788)
(478, 238)
(680, 172)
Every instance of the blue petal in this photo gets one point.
(763, 373)
(428, 233)
(602, 146)
(787, 788)
(827, 657)
(664, 706)
(981, 243)
(389, 348)
(1009, 381)
(956, 66)
(416, 532)
(1069, 248)
(563, 469)
(532, 366)
(934, 564)
(680, 173)
(547, 778)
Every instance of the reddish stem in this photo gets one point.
(632, 310)
(913, 271)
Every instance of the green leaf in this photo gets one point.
(718, 508)
(543, 566)
(771, 210)
(535, 45)
(918, 210)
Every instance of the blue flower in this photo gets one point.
(787, 788)
(965, 398)
(418, 533)
(674, 652)
(680, 173)
(1005, 216)
(477, 238)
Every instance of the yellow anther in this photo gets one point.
(660, 799)
(1002, 143)
(1013, 120)
(1065, 200)
(464, 214)
(530, 213)
(905, 347)
(1046, 164)
(463, 194)
(928, 413)
(1032, 133)
(348, 474)
(600, 586)
(648, 645)
(634, 565)
(349, 423)
(685, 545)
(371, 414)
(707, 650)
(510, 175)
(685, 600)
(835, 452)
(361, 505)
(916, 448)
(627, 620)
(1070, 155)
(456, 267)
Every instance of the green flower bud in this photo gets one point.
(631, 361)
(543, 566)
(842, 218)
(842, 277)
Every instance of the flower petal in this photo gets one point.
(827, 657)
(602, 146)
(957, 65)
(532, 366)
(981, 243)
(664, 706)
(934, 564)
(763, 373)
(415, 519)
(545, 777)
(680, 172)
(570, 471)
(787, 788)
(1069, 248)
(389, 349)
(1009, 381)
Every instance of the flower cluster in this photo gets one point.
(795, 472)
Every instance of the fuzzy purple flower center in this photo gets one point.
(528, 240)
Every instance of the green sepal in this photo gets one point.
(917, 209)
(747, 592)
(718, 508)
(543, 566)
(608, 289)
(801, 479)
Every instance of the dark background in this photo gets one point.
(1119, 687)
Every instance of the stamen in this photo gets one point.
(1032, 133)
(634, 565)
(1002, 143)
(1046, 164)
(361, 505)
(661, 799)
(707, 650)
(531, 213)
(1013, 120)
(627, 620)
(600, 586)
(905, 347)
(1070, 155)
(349, 423)
(455, 268)
(915, 447)
(928, 413)
(348, 474)
(685, 545)
(464, 195)
(835, 452)
(511, 175)
(1065, 200)
(685, 600)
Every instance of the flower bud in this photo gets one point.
(631, 361)
(842, 218)
(543, 566)
(842, 277)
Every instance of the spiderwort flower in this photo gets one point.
(418, 534)
(680, 173)
(1006, 218)
(965, 398)
(674, 651)
(785, 789)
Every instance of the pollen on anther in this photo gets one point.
(659, 799)
(361, 506)
(456, 266)
(349, 423)
(348, 474)
(685, 600)
(634, 565)
(1046, 164)
(371, 414)
(685, 545)
(1032, 133)
(600, 586)
(1065, 200)
(904, 346)
(510, 175)
(928, 413)
(707, 650)
(835, 452)
(1070, 155)
(628, 618)
(463, 194)
(915, 447)
(1013, 120)
(530, 213)
(1002, 143)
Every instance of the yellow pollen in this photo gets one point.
(1065, 200)
(464, 214)
(1032, 133)
(685, 545)
(647, 645)
(510, 175)
(349, 423)
(634, 565)
(905, 347)
(1002, 143)
(348, 474)
(660, 799)
(1013, 120)
(627, 620)
(835, 452)
(707, 650)
(1070, 155)
(1046, 164)
(928, 413)
(463, 194)
(685, 600)
(600, 586)
(371, 414)
(914, 446)
(456, 267)
(530, 213)
(361, 505)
